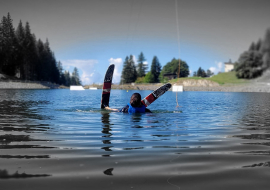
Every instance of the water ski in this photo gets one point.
(156, 94)
(106, 90)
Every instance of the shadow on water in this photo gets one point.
(7, 139)
(108, 171)
(5, 175)
(23, 156)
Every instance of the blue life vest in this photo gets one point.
(136, 109)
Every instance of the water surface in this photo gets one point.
(61, 139)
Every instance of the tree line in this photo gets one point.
(201, 73)
(139, 74)
(24, 57)
(253, 62)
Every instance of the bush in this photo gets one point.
(149, 78)
(140, 80)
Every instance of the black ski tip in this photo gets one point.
(166, 86)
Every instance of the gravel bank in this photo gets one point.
(27, 85)
(251, 87)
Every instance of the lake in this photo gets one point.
(61, 139)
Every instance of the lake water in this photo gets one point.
(61, 139)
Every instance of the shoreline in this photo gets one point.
(248, 87)
(232, 88)
(17, 85)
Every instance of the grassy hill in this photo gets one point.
(221, 78)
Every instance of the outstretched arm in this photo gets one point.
(111, 109)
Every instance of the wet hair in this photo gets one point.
(135, 100)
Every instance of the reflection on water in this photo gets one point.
(266, 164)
(107, 132)
(19, 117)
(208, 141)
(254, 136)
(5, 175)
(24, 156)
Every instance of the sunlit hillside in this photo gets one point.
(221, 78)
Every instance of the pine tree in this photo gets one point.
(47, 61)
(67, 78)
(51, 70)
(252, 47)
(266, 50)
(124, 71)
(258, 46)
(203, 73)
(21, 55)
(55, 71)
(75, 79)
(62, 76)
(8, 43)
(141, 68)
(20, 35)
(133, 69)
(199, 72)
(4, 43)
(31, 54)
(1, 46)
(266, 42)
(41, 66)
(129, 73)
(249, 65)
(155, 69)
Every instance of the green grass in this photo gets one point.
(221, 78)
(227, 78)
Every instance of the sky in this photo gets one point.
(92, 34)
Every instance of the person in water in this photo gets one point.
(134, 106)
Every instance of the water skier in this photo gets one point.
(134, 106)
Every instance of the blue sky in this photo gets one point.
(91, 34)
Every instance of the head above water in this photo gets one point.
(135, 100)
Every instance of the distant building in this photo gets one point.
(170, 76)
(229, 66)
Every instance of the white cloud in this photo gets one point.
(218, 68)
(91, 78)
(118, 62)
(88, 73)
(213, 69)
(86, 69)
